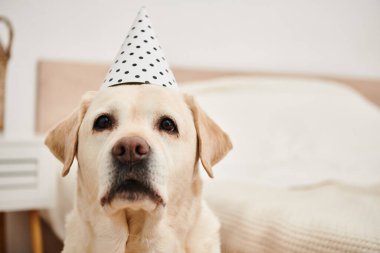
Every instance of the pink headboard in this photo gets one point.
(61, 84)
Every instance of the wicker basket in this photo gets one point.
(5, 53)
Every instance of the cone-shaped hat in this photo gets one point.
(140, 59)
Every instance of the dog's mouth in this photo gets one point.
(132, 190)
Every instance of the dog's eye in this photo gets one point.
(168, 125)
(103, 122)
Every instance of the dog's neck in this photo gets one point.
(130, 231)
(152, 231)
(144, 230)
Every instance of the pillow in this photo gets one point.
(290, 132)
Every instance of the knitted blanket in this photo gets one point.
(327, 218)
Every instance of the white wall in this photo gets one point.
(340, 37)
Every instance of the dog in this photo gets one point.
(138, 185)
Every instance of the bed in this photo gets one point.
(304, 175)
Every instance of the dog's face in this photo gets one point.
(138, 146)
(137, 140)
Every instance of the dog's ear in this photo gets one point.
(62, 140)
(213, 142)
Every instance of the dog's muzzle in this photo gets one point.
(131, 177)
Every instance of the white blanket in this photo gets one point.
(293, 131)
(325, 218)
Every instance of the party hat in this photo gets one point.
(140, 59)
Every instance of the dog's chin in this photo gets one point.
(133, 195)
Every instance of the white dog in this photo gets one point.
(139, 189)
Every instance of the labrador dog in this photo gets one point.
(138, 184)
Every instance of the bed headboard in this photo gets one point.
(61, 84)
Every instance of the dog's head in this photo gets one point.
(137, 146)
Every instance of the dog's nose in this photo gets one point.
(130, 149)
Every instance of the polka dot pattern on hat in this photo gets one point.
(140, 59)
